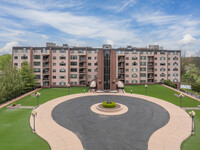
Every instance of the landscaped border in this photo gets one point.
(168, 137)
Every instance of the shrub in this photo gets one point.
(14, 104)
(169, 83)
(109, 104)
(183, 90)
(196, 88)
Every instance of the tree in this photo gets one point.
(5, 60)
(11, 84)
(28, 77)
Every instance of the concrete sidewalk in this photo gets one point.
(168, 137)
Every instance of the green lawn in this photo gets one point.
(192, 91)
(15, 131)
(159, 91)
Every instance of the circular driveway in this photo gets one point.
(129, 131)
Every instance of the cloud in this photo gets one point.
(110, 42)
(187, 40)
(7, 49)
(126, 4)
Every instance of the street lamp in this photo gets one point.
(192, 114)
(37, 94)
(181, 95)
(131, 91)
(84, 91)
(68, 86)
(146, 86)
(34, 114)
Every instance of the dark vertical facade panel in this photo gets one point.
(50, 67)
(100, 73)
(113, 70)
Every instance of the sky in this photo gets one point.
(173, 24)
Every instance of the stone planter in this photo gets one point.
(13, 107)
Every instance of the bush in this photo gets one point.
(109, 104)
(196, 88)
(169, 83)
(183, 90)
(14, 104)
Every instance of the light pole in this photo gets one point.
(146, 86)
(192, 114)
(38, 95)
(181, 95)
(34, 114)
(68, 86)
(131, 91)
(84, 91)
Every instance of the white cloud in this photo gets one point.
(187, 40)
(110, 42)
(7, 49)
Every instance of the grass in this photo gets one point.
(191, 91)
(159, 91)
(15, 131)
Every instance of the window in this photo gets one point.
(62, 70)
(72, 51)
(155, 75)
(54, 77)
(37, 77)
(80, 51)
(155, 58)
(175, 64)
(89, 76)
(175, 80)
(134, 70)
(16, 64)
(175, 74)
(168, 64)
(142, 74)
(119, 52)
(127, 64)
(44, 50)
(16, 57)
(73, 83)
(142, 69)
(168, 69)
(89, 70)
(89, 64)
(127, 75)
(134, 58)
(95, 70)
(54, 51)
(24, 50)
(134, 81)
(162, 69)
(175, 53)
(36, 56)
(54, 83)
(155, 64)
(143, 57)
(54, 64)
(162, 64)
(62, 51)
(162, 75)
(35, 50)
(54, 57)
(36, 63)
(149, 52)
(134, 52)
(62, 83)
(127, 58)
(89, 58)
(134, 75)
(142, 63)
(175, 69)
(73, 75)
(95, 58)
(95, 63)
(73, 57)
(162, 53)
(127, 70)
(127, 52)
(24, 57)
(16, 51)
(62, 64)
(89, 52)
(127, 81)
(54, 70)
(96, 51)
(73, 69)
(142, 81)
(168, 75)
(175, 58)
(134, 64)
(73, 63)
(155, 69)
(36, 69)
(168, 58)
(62, 57)
(141, 52)
(62, 77)
(162, 58)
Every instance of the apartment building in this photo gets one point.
(58, 66)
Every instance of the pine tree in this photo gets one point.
(28, 77)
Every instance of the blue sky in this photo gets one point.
(173, 24)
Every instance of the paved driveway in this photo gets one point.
(129, 131)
